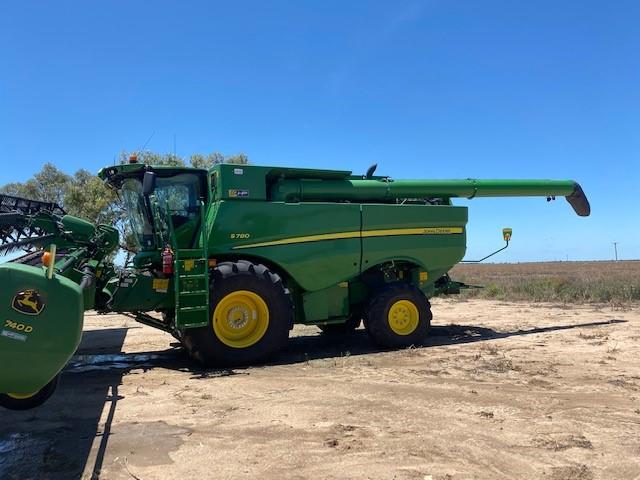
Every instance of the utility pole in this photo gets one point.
(615, 249)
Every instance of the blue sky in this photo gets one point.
(433, 89)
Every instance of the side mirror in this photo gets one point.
(148, 183)
(506, 234)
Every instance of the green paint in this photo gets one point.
(35, 347)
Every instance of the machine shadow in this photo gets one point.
(312, 347)
(299, 349)
(55, 441)
(68, 436)
(302, 348)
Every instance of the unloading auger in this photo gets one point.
(230, 258)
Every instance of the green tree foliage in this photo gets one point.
(206, 161)
(48, 185)
(197, 160)
(87, 197)
(239, 159)
(153, 158)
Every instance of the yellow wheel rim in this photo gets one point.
(403, 317)
(240, 319)
(21, 396)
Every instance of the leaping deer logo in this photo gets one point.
(28, 302)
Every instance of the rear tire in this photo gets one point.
(16, 401)
(398, 315)
(250, 314)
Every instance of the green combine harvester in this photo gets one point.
(230, 258)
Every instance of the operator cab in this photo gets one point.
(160, 202)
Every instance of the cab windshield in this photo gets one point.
(176, 197)
(134, 205)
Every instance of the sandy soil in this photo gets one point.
(498, 391)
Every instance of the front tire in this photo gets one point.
(250, 315)
(398, 315)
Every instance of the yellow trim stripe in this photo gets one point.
(357, 234)
(412, 231)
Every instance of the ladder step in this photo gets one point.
(196, 324)
(188, 293)
(192, 283)
(193, 309)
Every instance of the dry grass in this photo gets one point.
(616, 283)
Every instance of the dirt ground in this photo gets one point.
(500, 390)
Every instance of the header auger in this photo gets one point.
(229, 259)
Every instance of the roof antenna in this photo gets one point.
(370, 171)
(147, 142)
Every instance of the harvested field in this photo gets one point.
(499, 391)
(569, 282)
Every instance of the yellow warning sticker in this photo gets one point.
(161, 284)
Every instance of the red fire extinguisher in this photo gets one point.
(167, 260)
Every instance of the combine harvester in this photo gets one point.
(231, 258)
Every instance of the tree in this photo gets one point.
(88, 197)
(48, 185)
(201, 161)
(82, 195)
(197, 160)
(152, 158)
(240, 159)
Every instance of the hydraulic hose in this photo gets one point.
(88, 277)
